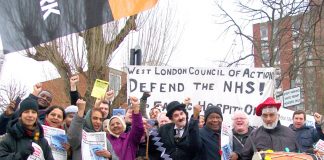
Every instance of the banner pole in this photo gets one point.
(1, 55)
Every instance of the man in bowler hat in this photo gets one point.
(180, 138)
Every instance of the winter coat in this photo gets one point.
(16, 140)
(126, 144)
(4, 120)
(307, 136)
(184, 148)
(239, 140)
(279, 139)
(75, 135)
(209, 144)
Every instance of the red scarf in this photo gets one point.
(47, 124)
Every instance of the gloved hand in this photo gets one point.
(146, 94)
(28, 150)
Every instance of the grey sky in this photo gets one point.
(200, 46)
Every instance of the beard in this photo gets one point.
(270, 126)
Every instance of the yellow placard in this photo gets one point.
(99, 88)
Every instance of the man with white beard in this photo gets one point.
(271, 135)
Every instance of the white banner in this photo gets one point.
(229, 88)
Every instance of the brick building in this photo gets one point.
(116, 80)
(294, 46)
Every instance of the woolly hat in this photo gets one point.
(122, 121)
(27, 104)
(213, 109)
(173, 106)
(71, 109)
(269, 102)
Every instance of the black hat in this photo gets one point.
(173, 106)
(213, 109)
(27, 104)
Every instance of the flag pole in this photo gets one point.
(1, 55)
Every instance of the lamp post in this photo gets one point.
(136, 56)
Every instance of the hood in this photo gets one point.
(88, 127)
(17, 130)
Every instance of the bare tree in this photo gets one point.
(157, 37)
(89, 53)
(159, 34)
(10, 92)
(290, 32)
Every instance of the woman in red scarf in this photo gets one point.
(54, 117)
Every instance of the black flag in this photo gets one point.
(27, 23)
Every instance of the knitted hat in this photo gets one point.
(122, 121)
(213, 109)
(27, 104)
(173, 106)
(71, 109)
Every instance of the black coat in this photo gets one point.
(209, 144)
(4, 120)
(185, 148)
(16, 140)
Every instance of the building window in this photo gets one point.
(296, 28)
(264, 33)
(115, 82)
(264, 43)
(265, 56)
(277, 58)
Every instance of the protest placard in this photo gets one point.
(119, 112)
(99, 88)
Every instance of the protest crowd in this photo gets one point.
(78, 134)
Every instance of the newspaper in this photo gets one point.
(49, 133)
(38, 153)
(91, 142)
(226, 134)
(320, 145)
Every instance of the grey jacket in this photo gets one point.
(280, 138)
(75, 136)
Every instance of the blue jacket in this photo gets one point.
(307, 136)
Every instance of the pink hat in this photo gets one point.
(268, 102)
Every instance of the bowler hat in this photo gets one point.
(268, 102)
(173, 106)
